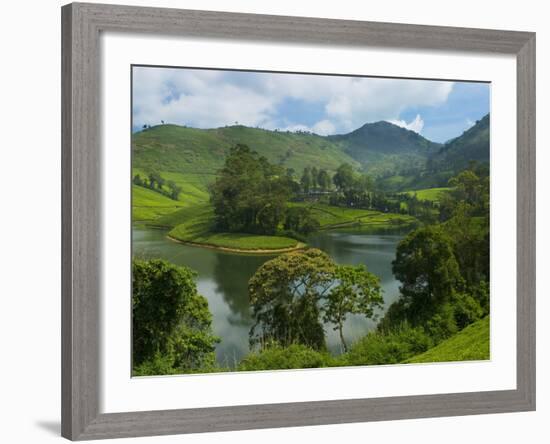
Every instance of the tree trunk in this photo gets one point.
(344, 345)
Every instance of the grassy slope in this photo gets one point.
(332, 217)
(190, 157)
(147, 204)
(191, 150)
(471, 344)
(429, 194)
(194, 224)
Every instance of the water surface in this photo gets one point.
(223, 277)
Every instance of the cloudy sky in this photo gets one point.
(322, 104)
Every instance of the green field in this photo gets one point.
(194, 225)
(471, 344)
(193, 222)
(337, 217)
(149, 205)
(429, 194)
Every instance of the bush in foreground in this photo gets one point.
(390, 347)
(276, 357)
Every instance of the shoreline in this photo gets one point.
(299, 246)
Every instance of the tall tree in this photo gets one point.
(314, 177)
(306, 180)
(175, 190)
(356, 291)
(323, 180)
(170, 319)
(285, 293)
(249, 194)
(429, 273)
(343, 179)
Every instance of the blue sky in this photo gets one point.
(439, 110)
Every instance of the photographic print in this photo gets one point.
(292, 221)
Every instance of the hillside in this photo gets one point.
(397, 158)
(202, 151)
(383, 147)
(470, 344)
(448, 160)
(472, 145)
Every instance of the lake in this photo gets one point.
(223, 277)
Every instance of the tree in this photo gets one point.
(357, 291)
(314, 177)
(171, 322)
(285, 295)
(306, 180)
(300, 220)
(137, 180)
(155, 179)
(175, 190)
(343, 179)
(323, 180)
(249, 194)
(429, 273)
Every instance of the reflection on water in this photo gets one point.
(223, 279)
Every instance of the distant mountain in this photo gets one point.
(397, 158)
(472, 145)
(384, 148)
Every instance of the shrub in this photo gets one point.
(275, 357)
(390, 347)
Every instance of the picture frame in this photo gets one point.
(81, 206)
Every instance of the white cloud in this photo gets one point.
(416, 125)
(208, 98)
(324, 127)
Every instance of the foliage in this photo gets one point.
(300, 220)
(170, 321)
(249, 194)
(427, 268)
(355, 291)
(391, 347)
(199, 228)
(444, 269)
(276, 357)
(290, 293)
(284, 294)
(343, 179)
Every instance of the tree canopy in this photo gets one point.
(291, 295)
(249, 194)
(171, 323)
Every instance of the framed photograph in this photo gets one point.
(278, 221)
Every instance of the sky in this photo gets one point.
(438, 110)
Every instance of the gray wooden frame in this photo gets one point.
(81, 165)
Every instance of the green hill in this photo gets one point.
(202, 151)
(472, 145)
(439, 166)
(397, 158)
(383, 147)
(470, 344)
